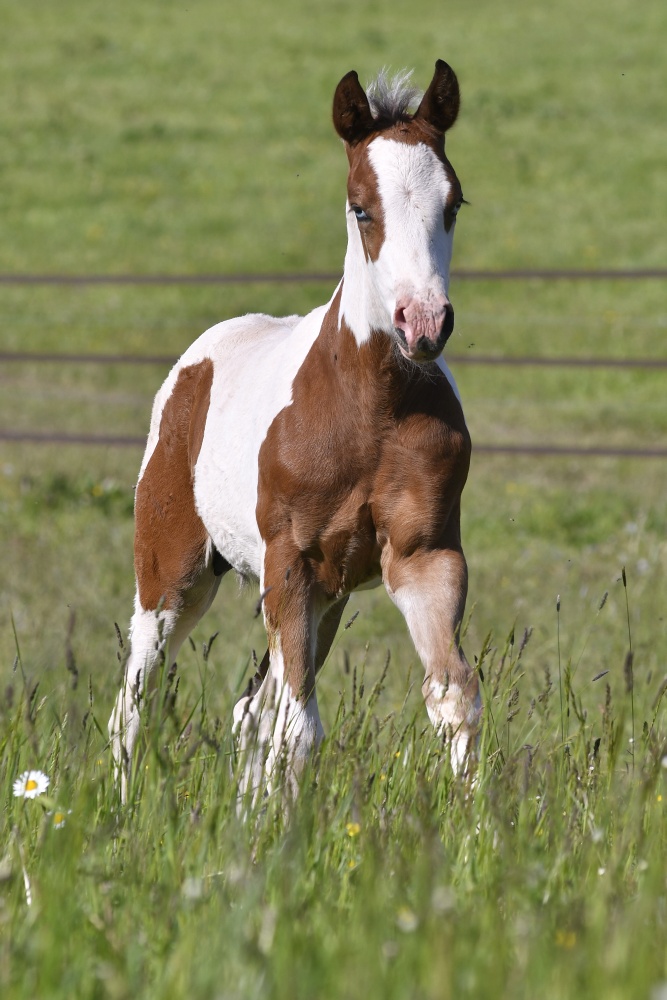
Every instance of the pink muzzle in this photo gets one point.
(423, 328)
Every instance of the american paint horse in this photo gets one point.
(322, 454)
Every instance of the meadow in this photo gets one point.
(158, 138)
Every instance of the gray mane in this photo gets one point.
(393, 98)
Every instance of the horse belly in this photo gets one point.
(226, 493)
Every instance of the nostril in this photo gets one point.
(399, 318)
(448, 323)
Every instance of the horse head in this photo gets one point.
(403, 197)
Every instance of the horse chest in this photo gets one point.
(341, 489)
(314, 487)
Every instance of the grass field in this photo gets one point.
(162, 138)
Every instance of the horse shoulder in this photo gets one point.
(425, 463)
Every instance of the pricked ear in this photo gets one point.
(352, 116)
(440, 104)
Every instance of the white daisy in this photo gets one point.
(31, 784)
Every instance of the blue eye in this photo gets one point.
(360, 214)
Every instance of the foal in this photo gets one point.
(321, 454)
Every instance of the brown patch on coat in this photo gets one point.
(371, 450)
(362, 190)
(288, 613)
(170, 539)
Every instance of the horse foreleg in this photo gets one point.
(279, 727)
(429, 587)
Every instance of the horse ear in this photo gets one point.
(352, 116)
(440, 104)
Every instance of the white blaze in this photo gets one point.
(416, 254)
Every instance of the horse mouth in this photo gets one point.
(424, 350)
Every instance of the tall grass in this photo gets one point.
(545, 875)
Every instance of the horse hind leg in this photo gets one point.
(177, 567)
(149, 632)
(155, 633)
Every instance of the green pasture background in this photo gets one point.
(195, 137)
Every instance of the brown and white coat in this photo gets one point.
(321, 454)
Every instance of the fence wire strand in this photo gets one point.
(10, 436)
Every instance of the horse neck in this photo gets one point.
(357, 333)
(371, 362)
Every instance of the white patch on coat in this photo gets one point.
(149, 632)
(255, 362)
(448, 708)
(362, 305)
(451, 713)
(414, 602)
(416, 254)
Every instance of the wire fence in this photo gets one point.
(520, 274)
(10, 436)
(507, 361)
(538, 450)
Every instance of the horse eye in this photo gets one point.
(360, 214)
(455, 210)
